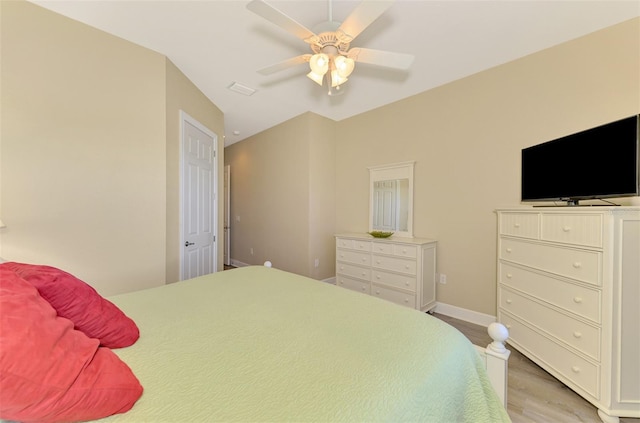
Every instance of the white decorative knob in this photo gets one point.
(516, 225)
(577, 334)
(377, 292)
(509, 301)
(566, 228)
(499, 333)
(509, 275)
(509, 250)
(577, 300)
(577, 265)
(575, 369)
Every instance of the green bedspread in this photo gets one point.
(259, 344)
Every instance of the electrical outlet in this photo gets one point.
(251, 251)
(317, 263)
(443, 278)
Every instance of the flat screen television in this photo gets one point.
(601, 162)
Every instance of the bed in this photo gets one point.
(260, 344)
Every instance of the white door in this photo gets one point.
(199, 203)
(227, 214)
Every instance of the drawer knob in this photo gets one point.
(404, 251)
(364, 288)
(509, 301)
(577, 334)
(377, 292)
(341, 267)
(509, 275)
(577, 265)
(406, 300)
(377, 276)
(364, 259)
(509, 250)
(341, 255)
(566, 228)
(508, 326)
(406, 283)
(406, 267)
(575, 369)
(363, 273)
(516, 225)
(577, 300)
(377, 261)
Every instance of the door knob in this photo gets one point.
(187, 243)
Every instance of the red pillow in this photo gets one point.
(77, 301)
(50, 372)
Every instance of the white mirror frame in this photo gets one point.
(387, 172)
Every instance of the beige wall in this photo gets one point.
(86, 178)
(282, 183)
(466, 139)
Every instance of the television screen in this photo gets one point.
(597, 163)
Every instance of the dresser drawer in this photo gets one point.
(400, 250)
(353, 244)
(355, 257)
(576, 299)
(572, 229)
(353, 284)
(582, 265)
(524, 225)
(395, 280)
(575, 369)
(397, 297)
(353, 271)
(579, 335)
(395, 264)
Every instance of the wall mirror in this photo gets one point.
(391, 198)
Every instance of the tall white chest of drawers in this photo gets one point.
(400, 270)
(569, 292)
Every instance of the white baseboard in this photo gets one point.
(237, 263)
(465, 314)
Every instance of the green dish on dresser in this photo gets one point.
(380, 234)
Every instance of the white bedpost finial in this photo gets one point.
(499, 333)
(267, 264)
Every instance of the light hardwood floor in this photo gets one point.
(534, 396)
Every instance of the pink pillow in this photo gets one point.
(50, 372)
(77, 301)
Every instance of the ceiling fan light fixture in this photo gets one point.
(344, 66)
(319, 63)
(315, 77)
(336, 79)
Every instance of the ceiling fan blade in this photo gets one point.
(273, 15)
(362, 16)
(386, 59)
(294, 61)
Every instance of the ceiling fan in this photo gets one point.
(333, 59)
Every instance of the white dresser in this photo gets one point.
(569, 292)
(401, 270)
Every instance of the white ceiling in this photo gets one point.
(215, 43)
